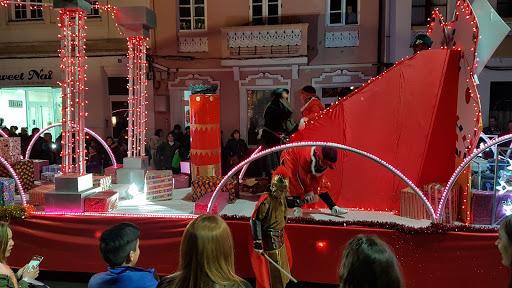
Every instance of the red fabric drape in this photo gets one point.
(406, 117)
(70, 243)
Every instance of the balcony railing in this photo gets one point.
(271, 41)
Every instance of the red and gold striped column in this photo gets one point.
(205, 132)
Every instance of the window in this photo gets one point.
(504, 8)
(27, 12)
(95, 9)
(342, 12)
(422, 10)
(118, 86)
(192, 15)
(338, 93)
(265, 12)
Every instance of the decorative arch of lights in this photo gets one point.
(379, 161)
(96, 136)
(16, 179)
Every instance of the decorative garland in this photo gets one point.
(10, 212)
(431, 229)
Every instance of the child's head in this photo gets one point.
(369, 262)
(119, 245)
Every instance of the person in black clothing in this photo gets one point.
(94, 163)
(185, 145)
(25, 140)
(165, 154)
(48, 149)
(116, 150)
(177, 133)
(278, 125)
(236, 149)
(37, 149)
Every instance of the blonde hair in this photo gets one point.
(4, 240)
(206, 255)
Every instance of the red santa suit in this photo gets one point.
(310, 110)
(304, 179)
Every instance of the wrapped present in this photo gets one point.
(201, 206)
(112, 172)
(411, 205)
(206, 184)
(185, 167)
(37, 194)
(105, 182)
(10, 149)
(181, 181)
(159, 185)
(49, 176)
(52, 168)
(104, 201)
(434, 193)
(254, 185)
(38, 168)
(482, 204)
(25, 171)
(7, 189)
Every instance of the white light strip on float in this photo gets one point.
(16, 179)
(393, 170)
(245, 167)
(107, 214)
(462, 166)
(3, 134)
(96, 136)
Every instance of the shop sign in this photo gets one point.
(15, 104)
(28, 77)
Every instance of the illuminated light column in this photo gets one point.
(137, 21)
(72, 53)
(205, 131)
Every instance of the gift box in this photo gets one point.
(104, 201)
(105, 182)
(10, 149)
(49, 176)
(181, 181)
(159, 185)
(482, 203)
(38, 168)
(201, 206)
(7, 189)
(112, 172)
(434, 193)
(254, 185)
(206, 184)
(37, 195)
(25, 171)
(185, 167)
(411, 205)
(52, 168)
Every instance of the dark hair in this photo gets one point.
(369, 262)
(187, 128)
(177, 127)
(33, 129)
(117, 242)
(47, 133)
(109, 138)
(158, 131)
(233, 133)
(330, 154)
(492, 117)
(509, 121)
(171, 133)
(309, 89)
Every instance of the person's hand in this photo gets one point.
(259, 251)
(32, 274)
(20, 272)
(311, 198)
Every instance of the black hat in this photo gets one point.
(330, 154)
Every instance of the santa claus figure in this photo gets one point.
(312, 104)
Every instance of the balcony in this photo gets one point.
(264, 45)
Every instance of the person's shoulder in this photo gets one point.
(167, 281)
(96, 280)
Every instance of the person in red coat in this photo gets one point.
(307, 166)
(312, 104)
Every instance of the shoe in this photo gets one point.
(297, 212)
(336, 211)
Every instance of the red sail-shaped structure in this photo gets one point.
(405, 116)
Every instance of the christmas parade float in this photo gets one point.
(397, 172)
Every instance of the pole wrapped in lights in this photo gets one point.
(72, 53)
(137, 67)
